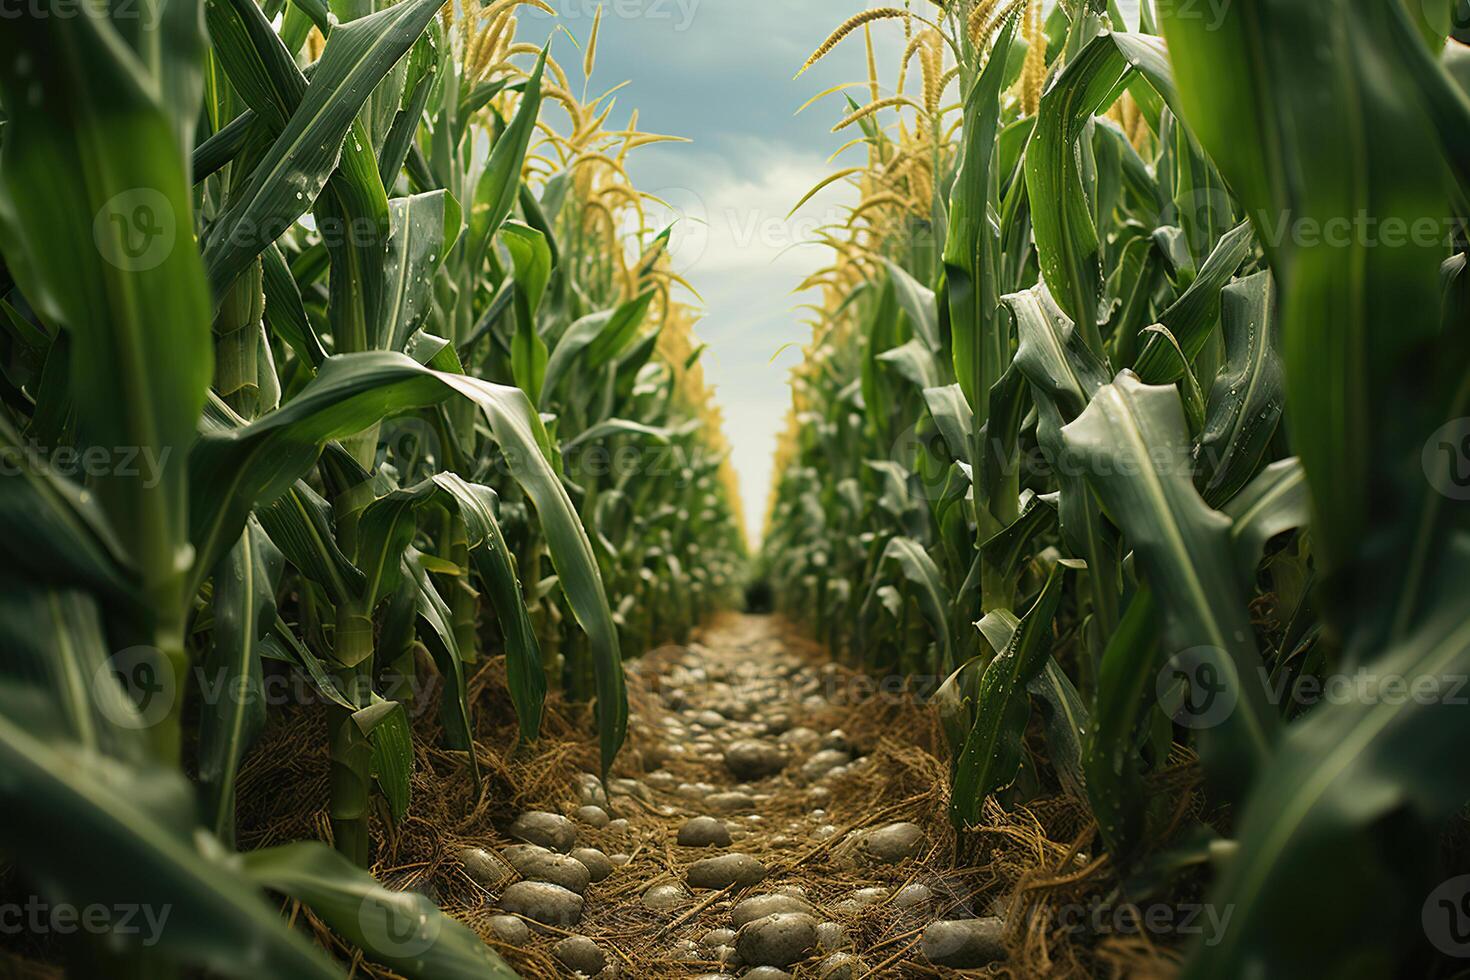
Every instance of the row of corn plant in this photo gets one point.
(320, 323)
(1136, 402)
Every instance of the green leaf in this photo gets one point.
(951, 413)
(96, 222)
(55, 533)
(1338, 840)
(1191, 318)
(402, 930)
(1134, 441)
(121, 818)
(423, 229)
(286, 182)
(971, 249)
(1125, 691)
(933, 595)
(285, 314)
(436, 630)
(500, 183)
(918, 304)
(1062, 220)
(496, 567)
(234, 469)
(992, 753)
(619, 330)
(1249, 393)
(532, 267)
(1356, 316)
(54, 639)
(1065, 374)
(392, 740)
(233, 708)
(1274, 502)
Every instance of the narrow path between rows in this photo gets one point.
(774, 817)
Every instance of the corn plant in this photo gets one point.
(1092, 386)
(311, 289)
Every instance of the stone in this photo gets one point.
(760, 906)
(519, 854)
(841, 966)
(799, 738)
(619, 859)
(661, 779)
(725, 870)
(823, 762)
(630, 787)
(869, 896)
(619, 826)
(509, 929)
(777, 940)
(836, 739)
(588, 790)
(704, 832)
(825, 832)
(598, 865)
(891, 844)
(832, 937)
(665, 896)
(592, 816)
(550, 830)
(753, 759)
(733, 801)
(726, 956)
(543, 902)
(910, 895)
(709, 719)
(717, 937)
(580, 954)
(964, 943)
(765, 973)
(559, 869)
(488, 869)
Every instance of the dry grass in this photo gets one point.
(1024, 862)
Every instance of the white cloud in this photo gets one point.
(736, 244)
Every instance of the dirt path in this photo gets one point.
(819, 807)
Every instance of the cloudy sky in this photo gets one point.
(719, 72)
